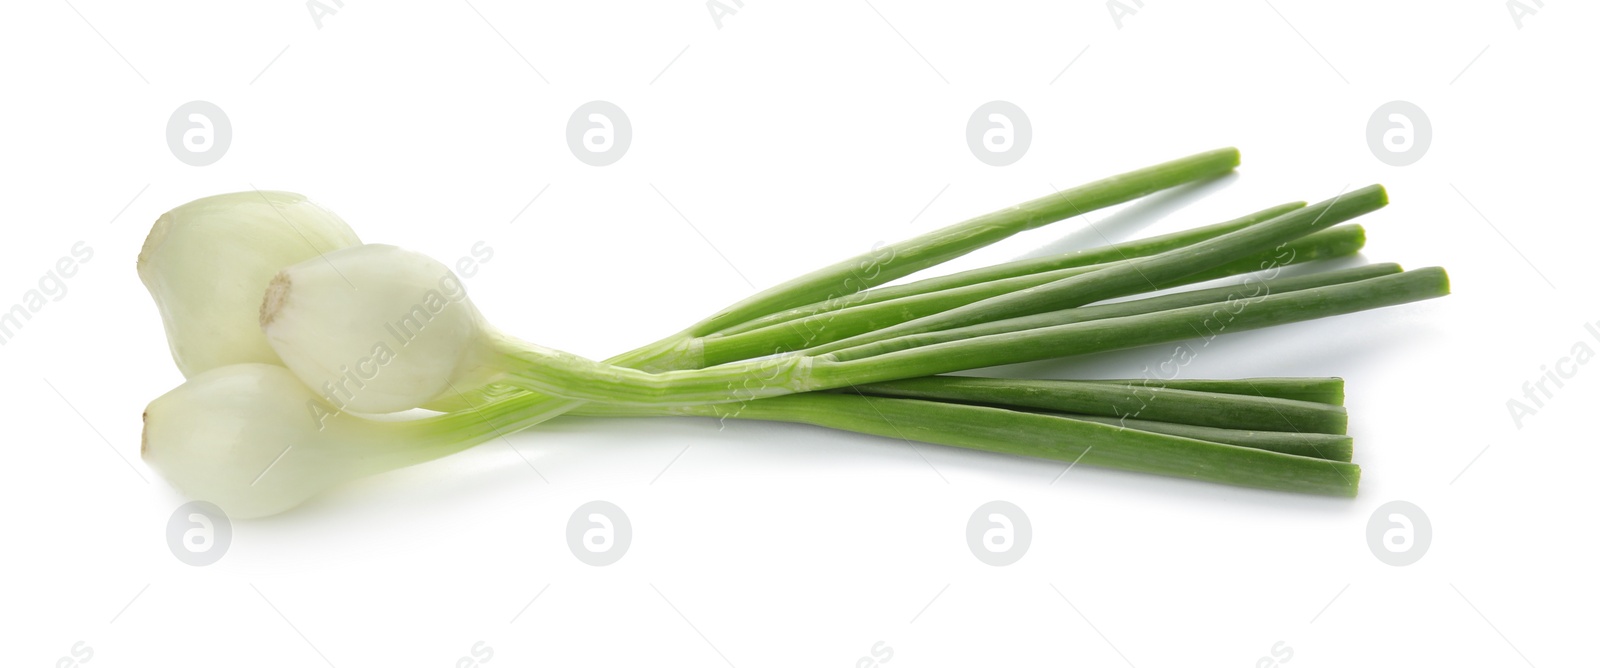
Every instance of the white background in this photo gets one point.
(794, 135)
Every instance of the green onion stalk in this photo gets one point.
(323, 316)
(334, 342)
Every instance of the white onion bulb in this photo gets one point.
(206, 264)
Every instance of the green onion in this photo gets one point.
(379, 329)
(1252, 289)
(1320, 390)
(911, 256)
(1206, 409)
(323, 323)
(1335, 447)
(243, 437)
(811, 332)
(1140, 274)
(1034, 266)
(1057, 438)
(1204, 322)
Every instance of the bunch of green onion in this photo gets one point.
(279, 316)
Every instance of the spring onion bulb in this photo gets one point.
(207, 262)
(240, 437)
